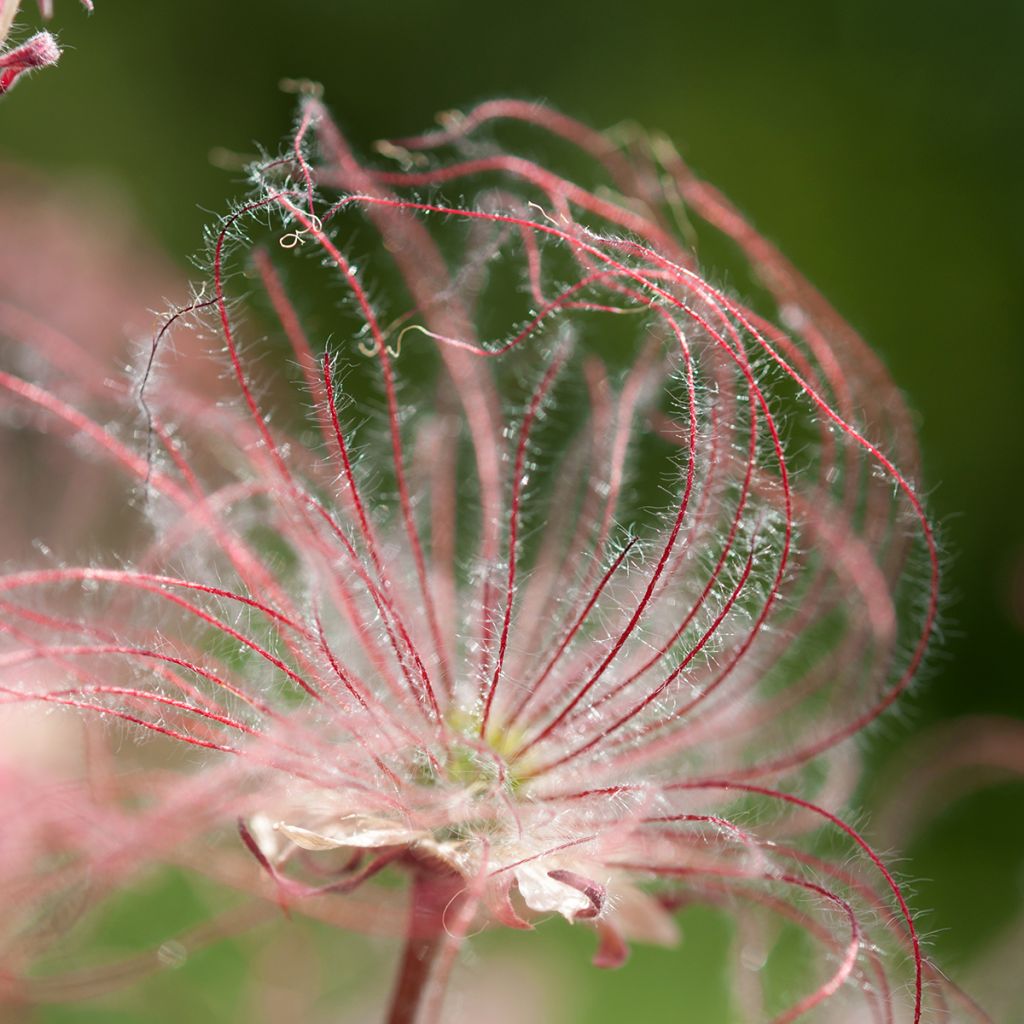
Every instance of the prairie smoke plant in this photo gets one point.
(550, 578)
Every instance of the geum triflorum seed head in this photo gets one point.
(553, 575)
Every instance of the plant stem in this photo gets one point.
(430, 898)
(413, 975)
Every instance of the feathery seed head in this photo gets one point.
(554, 575)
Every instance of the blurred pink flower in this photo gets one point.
(77, 281)
(72, 264)
(555, 577)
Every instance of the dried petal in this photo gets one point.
(361, 833)
(544, 894)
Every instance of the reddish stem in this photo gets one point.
(431, 896)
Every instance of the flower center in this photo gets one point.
(478, 764)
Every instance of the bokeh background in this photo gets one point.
(877, 143)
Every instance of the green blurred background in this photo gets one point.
(878, 143)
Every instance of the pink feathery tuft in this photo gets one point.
(548, 573)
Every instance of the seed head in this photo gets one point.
(551, 574)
